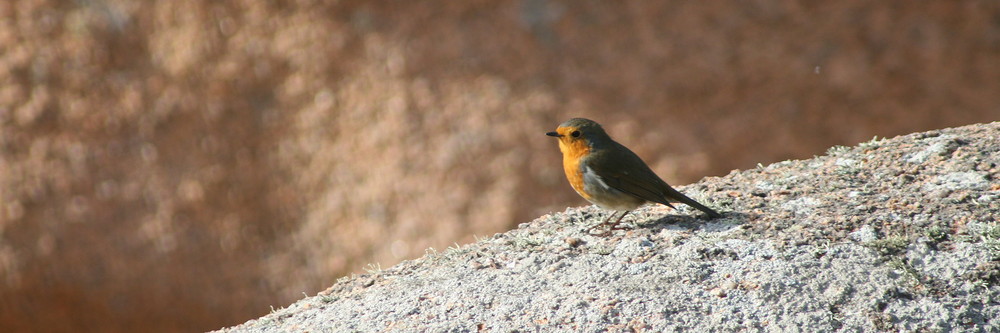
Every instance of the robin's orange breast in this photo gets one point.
(573, 154)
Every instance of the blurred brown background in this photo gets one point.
(182, 165)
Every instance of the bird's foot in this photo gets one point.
(607, 232)
(599, 232)
(621, 227)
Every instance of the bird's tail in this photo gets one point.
(690, 202)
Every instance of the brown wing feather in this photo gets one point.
(640, 181)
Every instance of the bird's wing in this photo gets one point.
(623, 170)
(639, 180)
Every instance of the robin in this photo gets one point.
(610, 175)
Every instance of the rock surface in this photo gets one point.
(898, 235)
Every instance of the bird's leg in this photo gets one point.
(610, 216)
(613, 226)
(598, 226)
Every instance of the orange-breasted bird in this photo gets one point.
(610, 175)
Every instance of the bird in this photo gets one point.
(609, 175)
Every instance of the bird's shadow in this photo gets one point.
(655, 222)
(701, 222)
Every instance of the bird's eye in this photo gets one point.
(575, 134)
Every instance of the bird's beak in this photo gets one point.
(555, 134)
